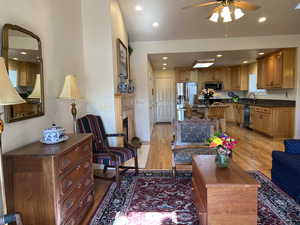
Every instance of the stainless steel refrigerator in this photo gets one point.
(185, 92)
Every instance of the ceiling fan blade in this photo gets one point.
(245, 5)
(201, 5)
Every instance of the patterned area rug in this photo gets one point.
(155, 198)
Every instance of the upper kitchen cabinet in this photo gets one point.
(277, 70)
(183, 75)
(239, 78)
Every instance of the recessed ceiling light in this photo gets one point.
(262, 19)
(261, 53)
(15, 58)
(203, 65)
(219, 56)
(245, 61)
(165, 58)
(155, 24)
(165, 64)
(138, 8)
(297, 6)
(23, 53)
(164, 68)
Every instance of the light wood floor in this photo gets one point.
(253, 152)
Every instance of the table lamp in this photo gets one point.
(71, 92)
(36, 93)
(8, 96)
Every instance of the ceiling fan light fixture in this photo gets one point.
(238, 13)
(214, 17)
(226, 14)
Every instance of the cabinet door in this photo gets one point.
(278, 70)
(226, 79)
(261, 63)
(235, 77)
(267, 126)
(270, 66)
(244, 78)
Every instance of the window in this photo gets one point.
(13, 76)
(253, 84)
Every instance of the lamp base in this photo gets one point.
(74, 114)
(3, 196)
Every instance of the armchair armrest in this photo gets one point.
(10, 218)
(292, 146)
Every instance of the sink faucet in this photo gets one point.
(253, 95)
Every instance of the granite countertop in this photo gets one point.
(260, 102)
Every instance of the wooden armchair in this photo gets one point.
(110, 157)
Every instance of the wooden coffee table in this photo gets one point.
(223, 196)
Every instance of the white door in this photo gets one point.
(164, 99)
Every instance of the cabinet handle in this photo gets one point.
(86, 165)
(78, 167)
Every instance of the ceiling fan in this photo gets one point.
(226, 8)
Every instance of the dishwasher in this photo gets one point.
(246, 122)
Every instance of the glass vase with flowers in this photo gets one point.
(207, 94)
(224, 145)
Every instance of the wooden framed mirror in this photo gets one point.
(22, 51)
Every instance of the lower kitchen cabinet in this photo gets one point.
(238, 113)
(273, 121)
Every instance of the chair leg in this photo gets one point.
(136, 165)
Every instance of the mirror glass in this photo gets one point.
(22, 51)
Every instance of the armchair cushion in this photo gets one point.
(122, 155)
(292, 146)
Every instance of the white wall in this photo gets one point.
(102, 25)
(58, 24)
(142, 49)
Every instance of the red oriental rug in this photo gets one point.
(156, 198)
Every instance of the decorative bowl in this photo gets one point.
(53, 135)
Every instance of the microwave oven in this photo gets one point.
(217, 86)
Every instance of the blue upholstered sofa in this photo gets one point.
(286, 168)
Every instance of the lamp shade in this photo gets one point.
(70, 89)
(8, 94)
(36, 93)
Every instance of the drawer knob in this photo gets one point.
(78, 167)
(66, 162)
(79, 186)
(90, 198)
(67, 184)
(86, 165)
(69, 204)
(87, 182)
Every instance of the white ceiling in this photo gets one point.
(229, 58)
(177, 24)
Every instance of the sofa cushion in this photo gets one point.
(287, 160)
(292, 146)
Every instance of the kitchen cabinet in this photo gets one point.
(273, 121)
(220, 74)
(277, 71)
(229, 113)
(238, 113)
(239, 78)
(182, 76)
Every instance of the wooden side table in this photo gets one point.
(223, 196)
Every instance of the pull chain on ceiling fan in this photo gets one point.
(226, 9)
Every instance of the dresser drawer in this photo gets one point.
(74, 200)
(83, 206)
(81, 175)
(70, 158)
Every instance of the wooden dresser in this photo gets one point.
(223, 196)
(51, 184)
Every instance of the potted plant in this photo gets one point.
(224, 145)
